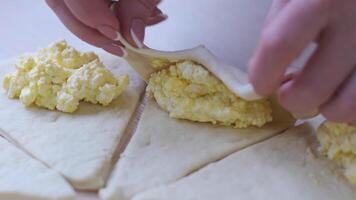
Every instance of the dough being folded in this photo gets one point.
(80, 145)
(283, 167)
(22, 177)
(164, 149)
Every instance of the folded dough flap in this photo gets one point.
(233, 77)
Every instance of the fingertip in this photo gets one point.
(335, 116)
(156, 19)
(107, 31)
(288, 100)
(298, 105)
(259, 83)
(53, 4)
(115, 49)
(137, 32)
(282, 94)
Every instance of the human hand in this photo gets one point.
(95, 23)
(327, 82)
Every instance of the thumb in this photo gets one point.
(133, 16)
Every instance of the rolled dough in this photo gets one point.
(164, 149)
(283, 167)
(23, 177)
(81, 145)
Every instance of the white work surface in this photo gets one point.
(229, 28)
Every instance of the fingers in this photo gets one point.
(87, 34)
(115, 49)
(323, 74)
(134, 15)
(156, 17)
(297, 24)
(95, 14)
(84, 32)
(342, 108)
(276, 7)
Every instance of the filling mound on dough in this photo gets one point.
(338, 143)
(59, 77)
(188, 91)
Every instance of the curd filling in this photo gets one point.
(59, 77)
(188, 91)
(338, 143)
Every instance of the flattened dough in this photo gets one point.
(80, 145)
(164, 149)
(22, 177)
(283, 167)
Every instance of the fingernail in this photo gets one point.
(108, 31)
(137, 32)
(287, 78)
(115, 49)
(307, 115)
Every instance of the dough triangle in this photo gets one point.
(164, 149)
(23, 177)
(80, 145)
(283, 167)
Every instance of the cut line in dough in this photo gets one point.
(23, 177)
(283, 167)
(164, 149)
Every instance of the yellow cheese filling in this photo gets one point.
(59, 77)
(188, 91)
(338, 143)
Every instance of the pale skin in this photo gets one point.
(327, 82)
(95, 23)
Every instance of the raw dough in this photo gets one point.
(22, 177)
(80, 146)
(165, 149)
(283, 167)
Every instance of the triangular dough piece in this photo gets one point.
(283, 167)
(22, 177)
(164, 149)
(81, 145)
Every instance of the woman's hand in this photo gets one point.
(328, 80)
(95, 23)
